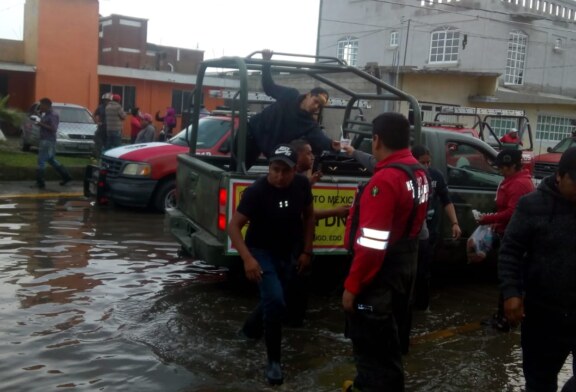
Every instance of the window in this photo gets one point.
(516, 61)
(128, 94)
(394, 38)
(501, 126)
(181, 101)
(348, 50)
(553, 127)
(444, 45)
(470, 167)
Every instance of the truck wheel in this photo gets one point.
(165, 196)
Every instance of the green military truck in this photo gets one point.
(208, 191)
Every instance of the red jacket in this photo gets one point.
(509, 139)
(507, 195)
(385, 206)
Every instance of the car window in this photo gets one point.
(210, 131)
(74, 115)
(470, 166)
(565, 144)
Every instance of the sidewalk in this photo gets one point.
(25, 188)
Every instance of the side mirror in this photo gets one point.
(549, 149)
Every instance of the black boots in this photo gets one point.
(64, 174)
(274, 373)
(40, 179)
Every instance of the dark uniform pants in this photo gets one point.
(547, 340)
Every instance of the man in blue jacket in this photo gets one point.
(291, 117)
(537, 271)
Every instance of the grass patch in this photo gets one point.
(30, 159)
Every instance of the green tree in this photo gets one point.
(10, 116)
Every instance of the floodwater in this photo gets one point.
(97, 299)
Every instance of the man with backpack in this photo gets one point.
(383, 229)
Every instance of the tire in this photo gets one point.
(165, 196)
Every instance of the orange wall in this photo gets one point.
(153, 96)
(67, 52)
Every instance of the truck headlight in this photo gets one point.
(137, 169)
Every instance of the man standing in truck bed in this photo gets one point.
(290, 117)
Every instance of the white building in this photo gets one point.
(509, 54)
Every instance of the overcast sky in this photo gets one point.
(218, 27)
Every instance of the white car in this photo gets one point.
(75, 132)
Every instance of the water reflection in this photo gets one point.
(96, 299)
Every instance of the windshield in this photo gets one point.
(74, 115)
(565, 144)
(210, 131)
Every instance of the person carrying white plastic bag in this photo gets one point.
(480, 243)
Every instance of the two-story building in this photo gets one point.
(508, 54)
(71, 54)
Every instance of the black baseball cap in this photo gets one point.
(567, 163)
(509, 157)
(284, 153)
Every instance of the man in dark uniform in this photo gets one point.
(290, 117)
(389, 215)
(537, 272)
(280, 210)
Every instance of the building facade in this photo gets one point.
(71, 54)
(509, 54)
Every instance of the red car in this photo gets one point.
(546, 164)
(144, 175)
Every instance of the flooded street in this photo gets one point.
(97, 299)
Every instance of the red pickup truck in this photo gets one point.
(546, 164)
(144, 175)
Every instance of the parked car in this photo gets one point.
(75, 132)
(546, 164)
(144, 175)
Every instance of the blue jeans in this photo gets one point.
(46, 154)
(277, 270)
(113, 139)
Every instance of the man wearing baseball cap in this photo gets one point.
(279, 207)
(511, 137)
(516, 183)
(537, 272)
(115, 116)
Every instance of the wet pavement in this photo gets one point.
(97, 299)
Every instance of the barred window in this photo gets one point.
(554, 127)
(444, 45)
(348, 50)
(516, 59)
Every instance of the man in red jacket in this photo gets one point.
(384, 227)
(511, 137)
(517, 182)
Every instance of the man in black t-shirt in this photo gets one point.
(280, 211)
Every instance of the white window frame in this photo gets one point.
(394, 39)
(348, 50)
(444, 46)
(553, 128)
(516, 58)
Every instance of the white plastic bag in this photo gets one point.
(479, 244)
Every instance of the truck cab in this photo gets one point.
(483, 123)
(208, 190)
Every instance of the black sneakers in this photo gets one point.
(274, 373)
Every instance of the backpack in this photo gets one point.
(355, 218)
